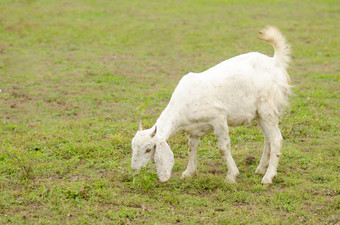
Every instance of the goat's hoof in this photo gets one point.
(230, 179)
(266, 184)
(266, 181)
(260, 170)
(187, 174)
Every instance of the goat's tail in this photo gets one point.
(273, 36)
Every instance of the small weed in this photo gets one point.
(127, 213)
(21, 161)
(285, 201)
(142, 108)
(144, 180)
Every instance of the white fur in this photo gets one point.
(235, 92)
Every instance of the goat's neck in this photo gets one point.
(167, 124)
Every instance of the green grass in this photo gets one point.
(76, 77)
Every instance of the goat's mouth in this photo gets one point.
(137, 170)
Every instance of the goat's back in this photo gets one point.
(233, 88)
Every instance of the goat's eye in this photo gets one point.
(148, 150)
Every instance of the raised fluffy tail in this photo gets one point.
(273, 36)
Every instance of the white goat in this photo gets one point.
(235, 92)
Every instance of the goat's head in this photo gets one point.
(147, 145)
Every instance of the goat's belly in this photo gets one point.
(241, 119)
(198, 129)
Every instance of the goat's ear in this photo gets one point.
(154, 132)
(164, 161)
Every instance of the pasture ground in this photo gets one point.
(76, 76)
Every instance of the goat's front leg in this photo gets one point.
(192, 165)
(223, 142)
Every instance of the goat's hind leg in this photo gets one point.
(261, 169)
(272, 132)
(192, 164)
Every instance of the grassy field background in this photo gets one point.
(76, 76)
